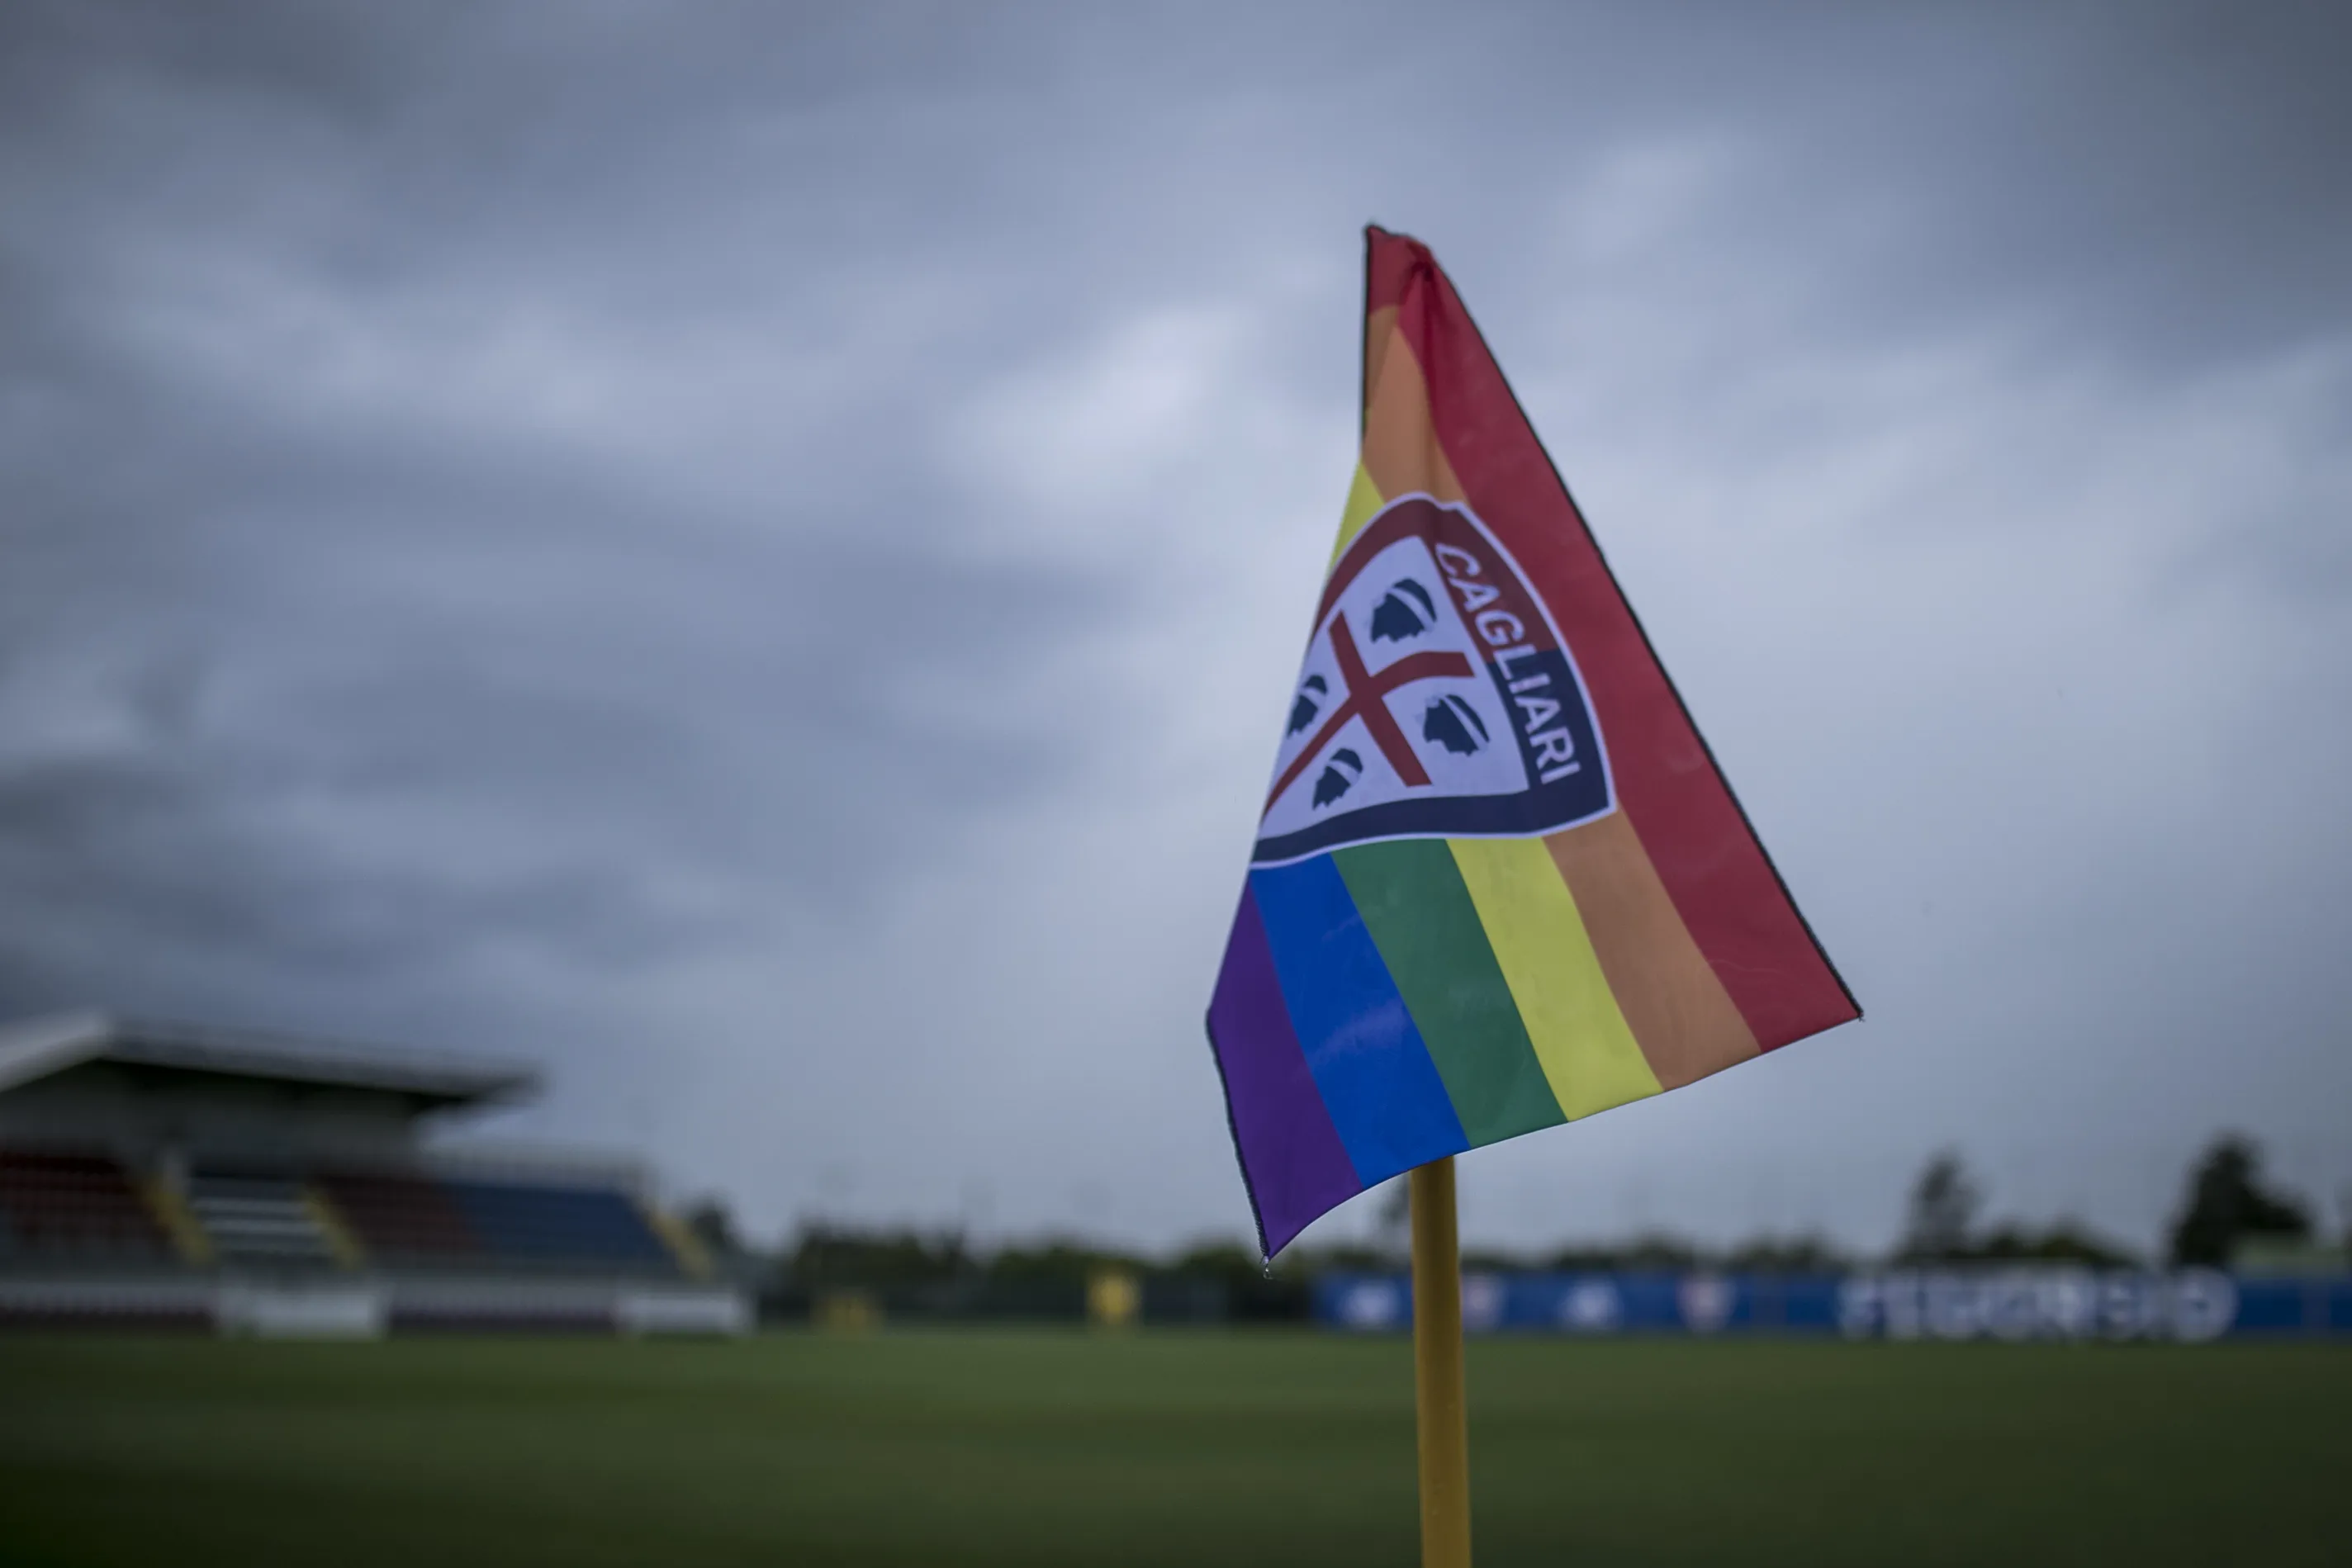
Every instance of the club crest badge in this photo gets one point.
(1437, 699)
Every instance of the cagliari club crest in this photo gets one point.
(1437, 699)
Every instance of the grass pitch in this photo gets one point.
(1193, 1448)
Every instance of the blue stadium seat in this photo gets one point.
(552, 1224)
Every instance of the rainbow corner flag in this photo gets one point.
(1499, 883)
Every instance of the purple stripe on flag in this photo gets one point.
(1291, 1154)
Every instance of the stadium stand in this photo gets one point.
(424, 1220)
(559, 1224)
(152, 1172)
(74, 1205)
(256, 1218)
(401, 1218)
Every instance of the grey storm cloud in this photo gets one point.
(756, 554)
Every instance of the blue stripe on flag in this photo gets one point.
(1368, 1059)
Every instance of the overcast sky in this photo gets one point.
(757, 558)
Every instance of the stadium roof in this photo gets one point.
(41, 1047)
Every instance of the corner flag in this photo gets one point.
(1498, 883)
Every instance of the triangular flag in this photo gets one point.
(1499, 883)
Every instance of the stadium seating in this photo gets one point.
(77, 1207)
(82, 1206)
(400, 1219)
(570, 1224)
(416, 1219)
(177, 1176)
(258, 1217)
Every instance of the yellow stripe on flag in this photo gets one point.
(1364, 500)
(1588, 1053)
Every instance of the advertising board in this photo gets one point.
(2007, 1303)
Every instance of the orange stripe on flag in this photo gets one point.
(1379, 328)
(1401, 450)
(1680, 1014)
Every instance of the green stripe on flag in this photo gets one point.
(1588, 1049)
(1420, 915)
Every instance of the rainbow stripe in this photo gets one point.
(1387, 1003)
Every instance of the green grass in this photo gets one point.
(1042, 1448)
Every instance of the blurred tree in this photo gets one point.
(1649, 1252)
(827, 1256)
(1249, 1289)
(2066, 1242)
(1215, 1257)
(1943, 1211)
(1345, 1257)
(1799, 1255)
(1068, 1262)
(2226, 1201)
(714, 1226)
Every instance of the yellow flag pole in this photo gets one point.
(1444, 1429)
